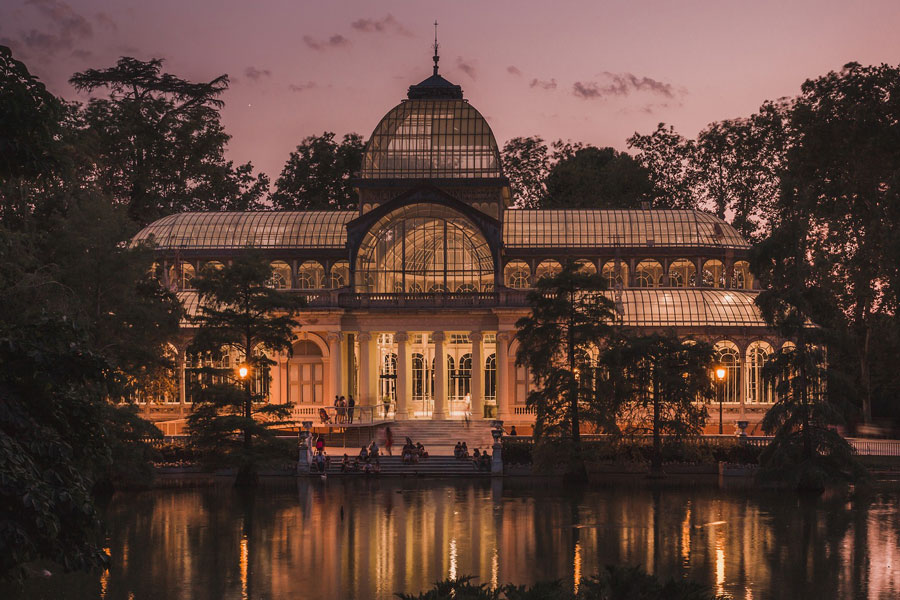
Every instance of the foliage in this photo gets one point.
(570, 318)
(317, 175)
(668, 158)
(614, 583)
(526, 162)
(597, 178)
(239, 311)
(158, 144)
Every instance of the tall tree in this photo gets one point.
(597, 178)
(669, 160)
(662, 384)
(159, 144)
(526, 162)
(318, 174)
(239, 312)
(570, 318)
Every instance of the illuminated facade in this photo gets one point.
(412, 298)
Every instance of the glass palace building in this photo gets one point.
(413, 298)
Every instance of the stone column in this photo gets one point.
(477, 381)
(334, 349)
(404, 373)
(440, 377)
(366, 381)
(502, 373)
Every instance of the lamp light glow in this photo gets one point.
(242, 371)
(720, 373)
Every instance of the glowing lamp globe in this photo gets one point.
(720, 373)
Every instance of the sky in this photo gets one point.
(586, 70)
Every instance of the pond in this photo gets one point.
(363, 539)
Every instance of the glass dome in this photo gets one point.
(432, 139)
(424, 248)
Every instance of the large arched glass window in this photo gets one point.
(340, 275)
(682, 273)
(615, 272)
(517, 274)
(182, 276)
(490, 378)
(424, 248)
(741, 278)
(587, 267)
(281, 275)
(648, 273)
(547, 268)
(310, 276)
(714, 273)
(418, 376)
(757, 390)
(728, 357)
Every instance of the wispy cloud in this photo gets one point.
(621, 84)
(302, 87)
(466, 66)
(65, 28)
(544, 85)
(256, 74)
(335, 41)
(387, 24)
(513, 70)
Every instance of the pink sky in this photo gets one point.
(585, 70)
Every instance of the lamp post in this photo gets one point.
(243, 373)
(720, 377)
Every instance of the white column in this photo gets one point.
(440, 377)
(404, 372)
(477, 381)
(334, 349)
(366, 379)
(502, 372)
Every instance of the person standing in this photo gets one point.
(350, 404)
(467, 407)
(388, 440)
(337, 409)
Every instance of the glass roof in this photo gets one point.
(622, 228)
(432, 139)
(224, 230)
(687, 307)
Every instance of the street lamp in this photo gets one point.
(242, 371)
(720, 376)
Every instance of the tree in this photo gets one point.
(669, 160)
(526, 162)
(318, 174)
(239, 312)
(158, 142)
(596, 178)
(665, 377)
(558, 342)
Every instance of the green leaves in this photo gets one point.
(317, 174)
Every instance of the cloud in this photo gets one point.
(544, 85)
(513, 70)
(387, 24)
(255, 74)
(335, 41)
(105, 21)
(302, 87)
(466, 66)
(621, 84)
(65, 29)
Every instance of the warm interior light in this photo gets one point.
(720, 373)
(243, 371)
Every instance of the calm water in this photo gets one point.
(368, 539)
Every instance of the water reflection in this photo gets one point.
(369, 539)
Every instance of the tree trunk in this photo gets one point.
(865, 377)
(577, 472)
(656, 459)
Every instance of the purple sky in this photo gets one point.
(586, 70)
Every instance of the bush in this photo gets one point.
(517, 452)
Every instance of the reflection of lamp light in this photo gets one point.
(242, 371)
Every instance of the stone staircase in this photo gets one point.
(392, 466)
(439, 437)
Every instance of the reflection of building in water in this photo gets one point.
(413, 297)
(399, 536)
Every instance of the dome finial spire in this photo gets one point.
(436, 57)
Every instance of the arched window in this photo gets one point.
(714, 273)
(547, 268)
(742, 279)
(682, 273)
(517, 274)
(423, 246)
(726, 355)
(587, 266)
(306, 383)
(389, 377)
(464, 375)
(281, 275)
(757, 390)
(182, 275)
(310, 276)
(615, 272)
(213, 265)
(340, 275)
(451, 378)
(648, 273)
(418, 376)
(490, 379)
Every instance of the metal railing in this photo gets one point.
(865, 447)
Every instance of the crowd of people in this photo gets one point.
(480, 460)
(412, 453)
